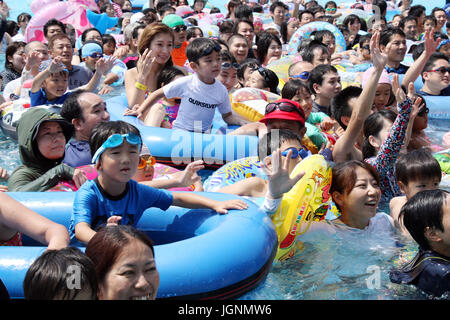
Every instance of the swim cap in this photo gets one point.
(173, 20)
(383, 79)
(90, 48)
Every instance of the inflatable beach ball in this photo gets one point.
(305, 31)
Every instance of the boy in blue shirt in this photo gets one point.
(200, 93)
(113, 197)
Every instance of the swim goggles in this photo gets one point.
(95, 55)
(116, 140)
(227, 65)
(304, 75)
(330, 9)
(295, 153)
(146, 161)
(283, 106)
(209, 50)
(179, 28)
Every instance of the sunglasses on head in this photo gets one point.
(146, 161)
(179, 28)
(423, 112)
(304, 76)
(227, 65)
(95, 55)
(283, 106)
(115, 141)
(441, 70)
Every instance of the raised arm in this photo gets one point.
(54, 67)
(102, 67)
(363, 105)
(416, 68)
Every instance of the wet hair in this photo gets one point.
(273, 139)
(416, 11)
(276, 4)
(167, 75)
(166, 8)
(386, 35)
(104, 130)
(344, 176)
(351, 18)
(372, 127)
(232, 4)
(243, 11)
(226, 26)
(190, 32)
(226, 56)
(316, 75)
(417, 165)
(301, 13)
(106, 38)
(417, 51)
(339, 104)
(330, 3)
(71, 108)
(49, 275)
(270, 79)
(429, 18)
(107, 244)
(54, 22)
(195, 50)
(291, 88)
(248, 63)
(308, 52)
(236, 25)
(85, 32)
(424, 210)
(11, 27)
(263, 44)
(402, 22)
(55, 37)
(149, 33)
(320, 34)
(222, 43)
(11, 50)
(23, 16)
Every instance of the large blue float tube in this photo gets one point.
(199, 253)
(177, 148)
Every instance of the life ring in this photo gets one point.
(306, 30)
(309, 200)
(161, 171)
(250, 103)
(66, 12)
(233, 172)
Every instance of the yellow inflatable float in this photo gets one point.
(307, 201)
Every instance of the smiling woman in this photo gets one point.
(124, 261)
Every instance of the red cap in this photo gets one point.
(285, 115)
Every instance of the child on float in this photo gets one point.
(415, 171)
(362, 53)
(113, 197)
(316, 122)
(200, 93)
(109, 44)
(49, 275)
(279, 152)
(426, 217)
(245, 70)
(51, 84)
(164, 112)
(265, 79)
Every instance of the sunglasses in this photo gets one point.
(423, 112)
(441, 70)
(146, 161)
(283, 106)
(96, 55)
(304, 76)
(209, 50)
(116, 140)
(179, 28)
(227, 65)
(295, 153)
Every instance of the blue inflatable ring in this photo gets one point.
(305, 31)
(199, 253)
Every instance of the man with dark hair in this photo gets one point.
(305, 17)
(393, 44)
(84, 110)
(381, 8)
(325, 83)
(52, 27)
(418, 12)
(243, 11)
(409, 27)
(342, 105)
(278, 12)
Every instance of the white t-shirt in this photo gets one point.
(198, 102)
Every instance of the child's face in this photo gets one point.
(146, 173)
(428, 25)
(50, 140)
(208, 67)
(228, 77)
(420, 122)
(56, 85)
(109, 48)
(415, 186)
(285, 146)
(90, 61)
(118, 165)
(320, 57)
(303, 97)
(445, 235)
(382, 95)
(331, 85)
(110, 11)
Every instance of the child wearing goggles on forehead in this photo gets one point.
(113, 197)
(200, 93)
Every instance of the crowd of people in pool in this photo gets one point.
(175, 76)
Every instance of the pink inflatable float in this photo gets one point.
(66, 12)
(91, 4)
